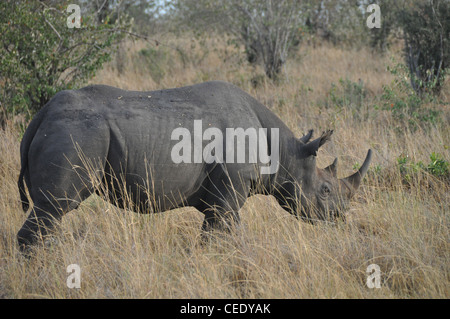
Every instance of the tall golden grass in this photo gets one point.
(402, 228)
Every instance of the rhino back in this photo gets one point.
(141, 124)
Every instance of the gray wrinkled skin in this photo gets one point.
(124, 138)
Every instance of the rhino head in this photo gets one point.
(314, 194)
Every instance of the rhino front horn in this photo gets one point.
(355, 179)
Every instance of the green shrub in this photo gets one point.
(406, 106)
(41, 55)
(426, 30)
(437, 167)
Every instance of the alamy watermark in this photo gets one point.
(373, 20)
(190, 148)
(74, 20)
(374, 278)
(74, 278)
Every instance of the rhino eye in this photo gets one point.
(325, 190)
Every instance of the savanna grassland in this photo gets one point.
(399, 220)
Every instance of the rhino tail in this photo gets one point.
(23, 195)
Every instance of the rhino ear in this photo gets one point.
(312, 147)
(305, 138)
(332, 168)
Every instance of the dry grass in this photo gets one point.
(405, 230)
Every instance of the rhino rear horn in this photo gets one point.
(355, 179)
(332, 168)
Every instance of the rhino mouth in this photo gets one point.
(316, 221)
(322, 215)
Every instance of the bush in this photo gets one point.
(437, 167)
(267, 30)
(426, 27)
(407, 107)
(41, 55)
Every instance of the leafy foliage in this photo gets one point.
(426, 29)
(406, 106)
(41, 55)
(437, 167)
(266, 29)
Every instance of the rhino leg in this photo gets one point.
(223, 200)
(40, 222)
(217, 218)
(59, 180)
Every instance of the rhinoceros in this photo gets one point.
(120, 144)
